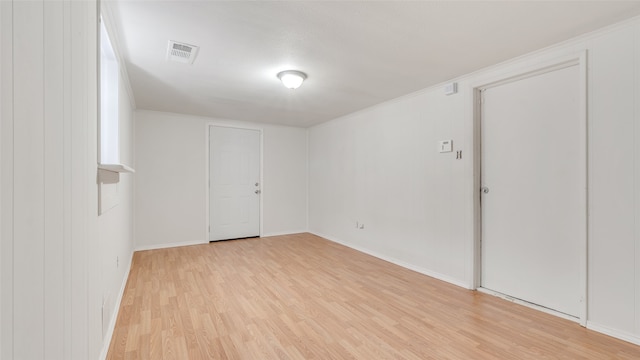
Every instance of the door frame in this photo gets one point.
(514, 74)
(207, 174)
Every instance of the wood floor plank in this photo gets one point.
(303, 297)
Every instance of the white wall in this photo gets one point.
(115, 225)
(49, 300)
(379, 167)
(171, 178)
(54, 247)
(4, 39)
(614, 179)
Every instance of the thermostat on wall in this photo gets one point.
(445, 146)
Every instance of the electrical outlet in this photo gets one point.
(117, 261)
(361, 226)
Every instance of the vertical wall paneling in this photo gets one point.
(28, 189)
(94, 287)
(53, 178)
(79, 228)
(83, 147)
(50, 303)
(67, 183)
(1, 196)
(6, 171)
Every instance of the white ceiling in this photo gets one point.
(356, 54)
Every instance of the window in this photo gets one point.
(109, 74)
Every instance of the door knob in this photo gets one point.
(257, 191)
(484, 189)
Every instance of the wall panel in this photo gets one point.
(53, 180)
(6, 172)
(48, 175)
(28, 191)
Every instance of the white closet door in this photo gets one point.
(534, 211)
(234, 183)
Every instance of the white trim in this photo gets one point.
(528, 304)
(637, 176)
(107, 14)
(398, 262)
(307, 180)
(169, 245)
(114, 316)
(514, 73)
(118, 168)
(283, 233)
(262, 187)
(584, 154)
(622, 335)
(210, 124)
(207, 172)
(526, 69)
(474, 256)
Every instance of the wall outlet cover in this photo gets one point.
(445, 146)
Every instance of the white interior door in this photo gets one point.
(234, 183)
(533, 208)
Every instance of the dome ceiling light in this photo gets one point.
(292, 79)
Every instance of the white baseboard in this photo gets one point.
(200, 242)
(622, 335)
(398, 262)
(170, 245)
(529, 305)
(281, 233)
(116, 310)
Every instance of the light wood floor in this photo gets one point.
(303, 297)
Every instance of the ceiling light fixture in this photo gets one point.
(292, 79)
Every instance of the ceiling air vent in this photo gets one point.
(182, 52)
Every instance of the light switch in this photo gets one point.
(445, 146)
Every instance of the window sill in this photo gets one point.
(118, 168)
